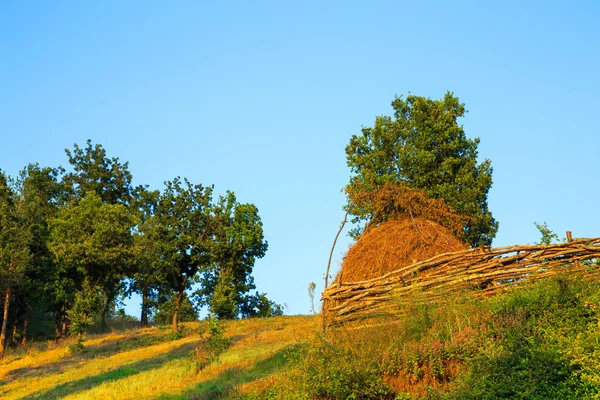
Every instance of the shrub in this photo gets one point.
(213, 346)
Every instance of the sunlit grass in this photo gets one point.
(145, 363)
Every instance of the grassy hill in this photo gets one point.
(539, 341)
(151, 363)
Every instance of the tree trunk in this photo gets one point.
(4, 323)
(64, 325)
(57, 324)
(177, 305)
(110, 296)
(13, 339)
(25, 324)
(144, 316)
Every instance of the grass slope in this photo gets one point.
(539, 341)
(146, 363)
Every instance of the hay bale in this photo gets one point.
(395, 244)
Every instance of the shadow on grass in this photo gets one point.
(121, 372)
(226, 382)
(102, 350)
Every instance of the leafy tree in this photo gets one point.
(93, 241)
(14, 250)
(94, 171)
(238, 241)
(110, 180)
(259, 305)
(183, 240)
(166, 305)
(87, 304)
(148, 277)
(41, 194)
(423, 146)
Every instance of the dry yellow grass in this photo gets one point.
(144, 364)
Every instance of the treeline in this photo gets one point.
(72, 244)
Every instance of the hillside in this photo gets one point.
(533, 341)
(147, 363)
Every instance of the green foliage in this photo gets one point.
(148, 277)
(535, 345)
(217, 342)
(77, 347)
(238, 242)
(182, 236)
(87, 304)
(95, 172)
(547, 236)
(258, 305)
(41, 195)
(92, 241)
(214, 345)
(223, 300)
(178, 334)
(334, 372)
(165, 310)
(15, 255)
(540, 341)
(88, 231)
(424, 147)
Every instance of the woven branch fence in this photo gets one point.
(487, 271)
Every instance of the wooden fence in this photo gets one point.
(486, 271)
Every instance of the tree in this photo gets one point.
(148, 277)
(258, 305)
(40, 195)
(424, 147)
(182, 235)
(94, 171)
(166, 305)
(238, 241)
(94, 242)
(14, 250)
(109, 180)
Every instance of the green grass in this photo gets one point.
(541, 341)
(145, 363)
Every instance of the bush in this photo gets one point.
(337, 372)
(213, 346)
(542, 342)
(538, 341)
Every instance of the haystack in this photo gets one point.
(395, 244)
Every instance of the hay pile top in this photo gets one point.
(393, 245)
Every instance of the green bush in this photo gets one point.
(336, 372)
(213, 346)
(542, 342)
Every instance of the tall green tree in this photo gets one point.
(14, 251)
(94, 242)
(183, 236)
(238, 241)
(40, 195)
(148, 278)
(423, 146)
(94, 171)
(110, 180)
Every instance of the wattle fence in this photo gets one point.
(486, 271)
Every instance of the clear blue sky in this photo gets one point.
(262, 97)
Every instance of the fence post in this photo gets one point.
(570, 239)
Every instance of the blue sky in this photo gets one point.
(262, 97)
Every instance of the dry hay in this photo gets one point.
(395, 244)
